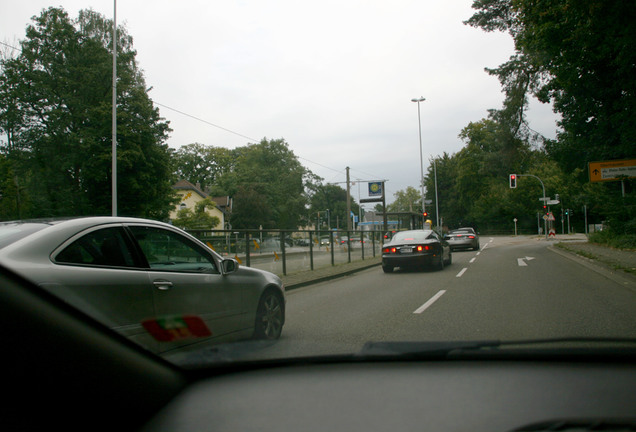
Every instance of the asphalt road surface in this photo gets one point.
(513, 288)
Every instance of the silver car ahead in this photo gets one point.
(463, 238)
(149, 281)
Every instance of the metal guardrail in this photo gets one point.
(290, 251)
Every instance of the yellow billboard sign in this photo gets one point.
(612, 170)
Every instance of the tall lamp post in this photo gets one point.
(114, 115)
(419, 121)
(436, 199)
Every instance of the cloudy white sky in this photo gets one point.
(334, 78)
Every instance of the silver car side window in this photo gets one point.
(168, 251)
(104, 247)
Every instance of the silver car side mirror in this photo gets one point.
(229, 265)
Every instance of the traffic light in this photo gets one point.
(513, 181)
(425, 214)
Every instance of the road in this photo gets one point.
(513, 288)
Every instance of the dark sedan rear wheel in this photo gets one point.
(387, 268)
(269, 317)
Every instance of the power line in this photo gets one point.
(208, 123)
(9, 46)
(238, 134)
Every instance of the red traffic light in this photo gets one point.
(513, 181)
(425, 214)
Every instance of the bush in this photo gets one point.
(609, 238)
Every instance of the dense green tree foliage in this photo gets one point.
(201, 164)
(333, 198)
(408, 200)
(267, 183)
(55, 112)
(473, 187)
(579, 56)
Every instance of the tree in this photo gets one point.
(408, 200)
(201, 164)
(579, 56)
(55, 109)
(333, 198)
(267, 183)
(199, 218)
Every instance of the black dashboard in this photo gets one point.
(408, 396)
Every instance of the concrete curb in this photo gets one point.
(306, 278)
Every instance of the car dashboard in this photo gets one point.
(473, 395)
(65, 370)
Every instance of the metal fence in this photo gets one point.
(286, 252)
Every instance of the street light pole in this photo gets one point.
(419, 121)
(114, 116)
(436, 199)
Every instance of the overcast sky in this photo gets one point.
(333, 78)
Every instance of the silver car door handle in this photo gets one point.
(163, 285)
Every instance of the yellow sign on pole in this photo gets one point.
(612, 170)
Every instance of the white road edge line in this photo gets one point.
(430, 302)
(473, 260)
(461, 272)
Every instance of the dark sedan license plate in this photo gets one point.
(406, 250)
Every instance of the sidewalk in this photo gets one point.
(322, 274)
(613, 259)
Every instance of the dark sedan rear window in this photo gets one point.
(12, 232)
(412, 235)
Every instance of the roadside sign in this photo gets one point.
(553, 202)
(375, 189)
(612, 170)
(544, 199)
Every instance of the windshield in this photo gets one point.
(253, 158)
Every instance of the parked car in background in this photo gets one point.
(325, 241)
(148, 280)
(415, 248)
(302, 242)
(463, 238)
